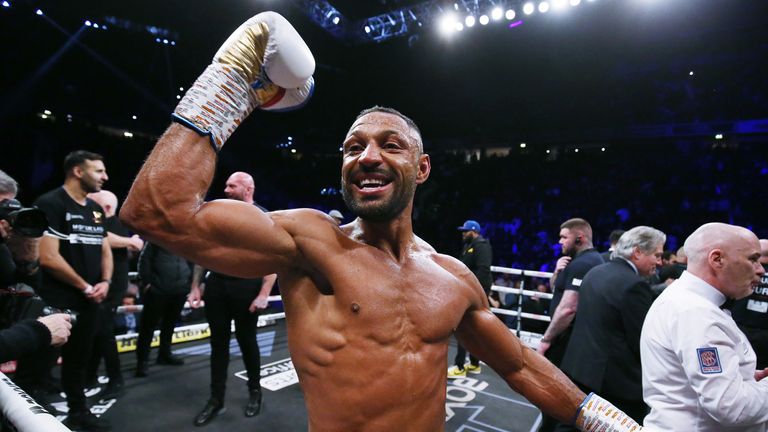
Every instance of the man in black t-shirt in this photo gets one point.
(477, 255)
(105, 345)
(751, 313)
(579, 256)
(77, 270)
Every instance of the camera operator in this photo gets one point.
(21, 334)
(76, 261)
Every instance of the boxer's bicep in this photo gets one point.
(236, 238)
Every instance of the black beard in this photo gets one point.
(381, 212)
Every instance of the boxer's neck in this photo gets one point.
(74, 191)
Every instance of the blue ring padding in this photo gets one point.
(294, 108)
(184, 122)
(584, 402)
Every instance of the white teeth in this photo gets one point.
(371, 183)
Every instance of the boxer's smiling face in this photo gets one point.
(383, 163)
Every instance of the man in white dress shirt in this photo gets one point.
(698, 367)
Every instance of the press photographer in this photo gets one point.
(20, 231)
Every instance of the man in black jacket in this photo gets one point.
(166, 278)
(603, 354)
(477, 256)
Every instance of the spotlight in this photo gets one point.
(128, 134)
(523, 145)
(690, 73)
(497, 13)
(87, 23)
(134, 117)
(528, 8)
(469, 21)
(178, 96)
(95, 25)
(165, 41)
(459, 27)
(719, 136)
(547, 151)
(157, 40)
(544, 7)
(336, 20)
(484, 19)
(293, 150)
(43, 116)
(181, 88)
(602, 148)
(367, 29)
(575, 2)
(6, 4)
(558, 4)
(447, 23)
(47, 112)
(173, 43)
(575, 150)
(39, 12)
(509, 14)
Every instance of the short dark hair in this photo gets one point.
(667, 254)
(78, 157)
(615, 235)
(578, 224)
(412, 124)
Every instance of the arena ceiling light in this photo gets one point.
(497, 13)
(544, 7)
(6, 4)
(509, 14)
(529, 8)
(484, 20)
(447, 23)
(469, 21)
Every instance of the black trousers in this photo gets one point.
(158, 308)
(227, 300)
(75, 355)
(105, 346)
(461, 357)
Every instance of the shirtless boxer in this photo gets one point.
(361, 300)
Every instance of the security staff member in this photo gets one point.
(477, 255)
(229, 298)
(698, 367)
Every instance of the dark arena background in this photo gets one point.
(623, 112)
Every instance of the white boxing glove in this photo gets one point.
(264, 63)
(598, 415)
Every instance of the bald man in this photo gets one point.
(751, 313)
(121, 243)
(229, 298)
(699, 371)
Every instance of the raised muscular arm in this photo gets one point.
(165, 205)
(264, 64)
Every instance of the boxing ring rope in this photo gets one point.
(21, 413)
(529, 338)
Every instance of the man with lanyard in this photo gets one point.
(227, 298)
(77, 270)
